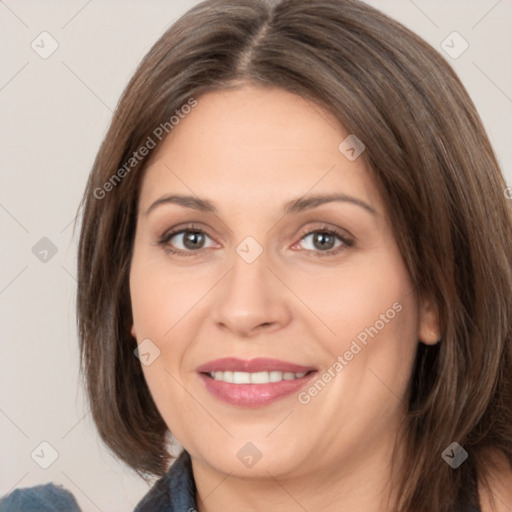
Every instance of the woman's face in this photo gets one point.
(281, 335)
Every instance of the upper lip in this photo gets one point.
(260, 364)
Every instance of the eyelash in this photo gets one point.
(346, 242)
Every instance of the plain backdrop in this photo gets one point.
(54, 113)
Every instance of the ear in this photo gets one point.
(429, 331)
(132, 330)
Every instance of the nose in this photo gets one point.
(251, 299)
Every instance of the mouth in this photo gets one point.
(253, 383)
(254, 378)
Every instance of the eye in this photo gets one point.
(185, 241)
(325, 241)
(189, 240)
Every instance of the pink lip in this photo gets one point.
(253, 395)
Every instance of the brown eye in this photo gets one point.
(325, 242)
(193, 239)
(185, 241)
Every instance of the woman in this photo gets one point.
(296, 259)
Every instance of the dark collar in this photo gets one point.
(173, 492)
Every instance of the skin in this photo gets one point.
(249, 151)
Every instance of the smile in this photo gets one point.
(256, 377)
(253, 383)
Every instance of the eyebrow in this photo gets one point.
(294, 206)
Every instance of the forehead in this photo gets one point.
(256, 143)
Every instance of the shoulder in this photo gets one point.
(495, 490)
(40, 497)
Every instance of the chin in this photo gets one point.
(251, 457)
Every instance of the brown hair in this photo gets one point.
(436, 171)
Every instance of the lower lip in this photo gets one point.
(253, 395)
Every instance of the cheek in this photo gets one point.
(163, 302)
(377, 327)
(157, 311)
(370, 293)
(161, 298)
(371, 310)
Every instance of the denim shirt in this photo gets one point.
(40, 498)
(173, 492)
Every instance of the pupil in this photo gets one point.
(192, 240)
(324, 239)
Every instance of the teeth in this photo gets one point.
(255, 377)
(241, 378)
(259, 378)
(275, 376)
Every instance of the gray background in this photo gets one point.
(54, 114)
